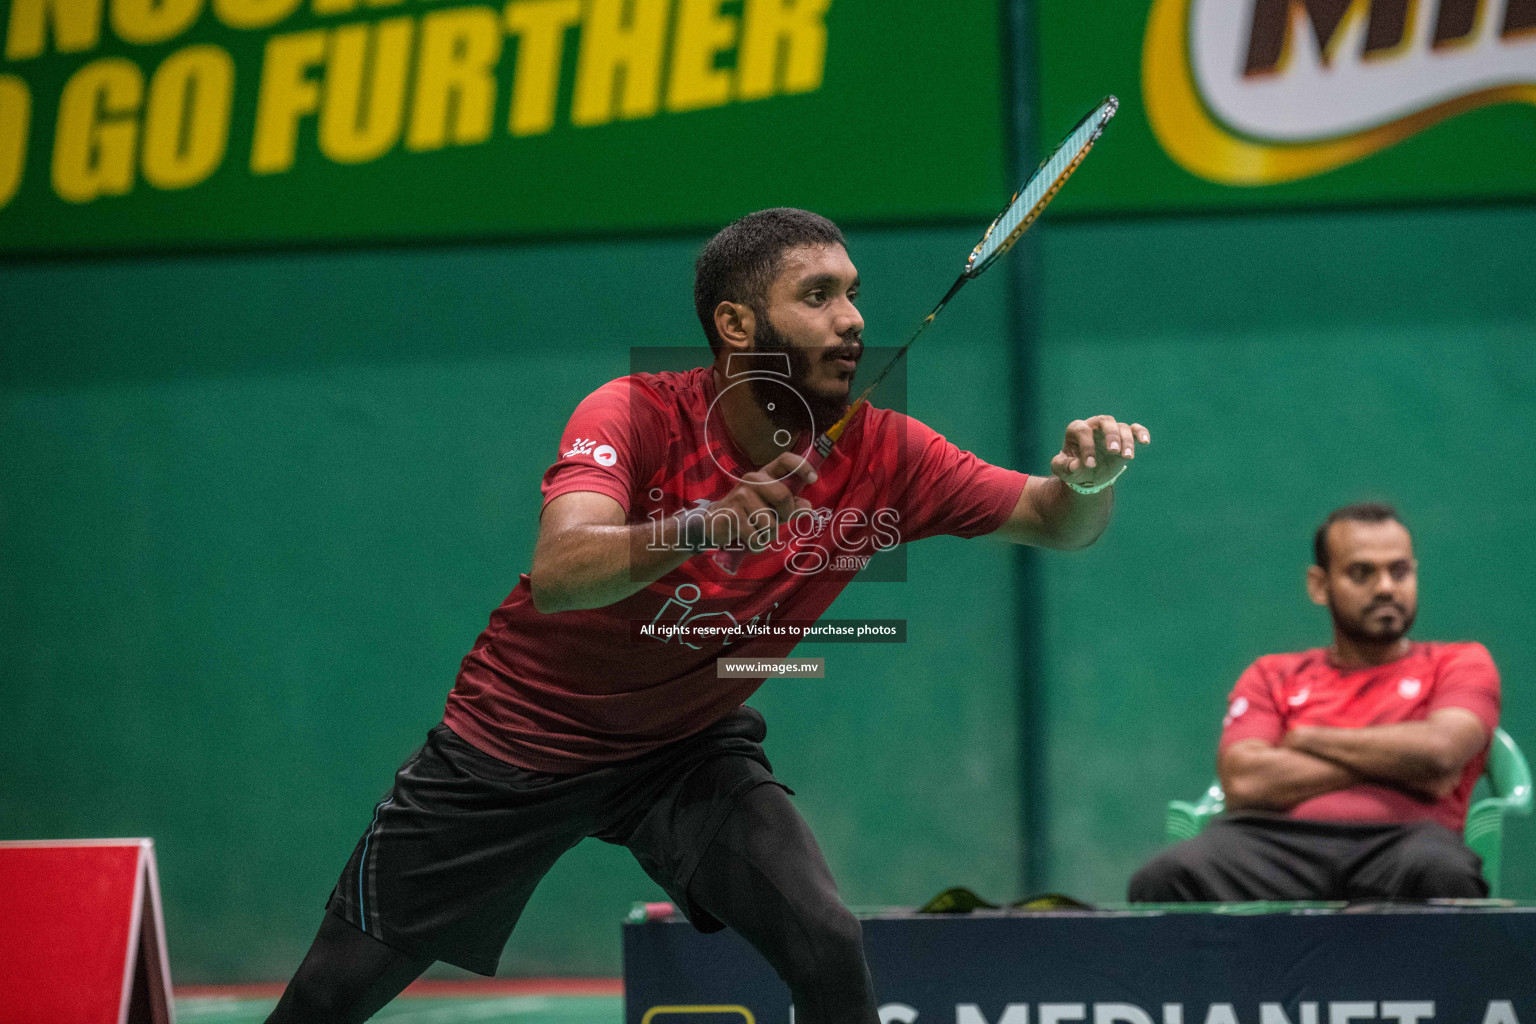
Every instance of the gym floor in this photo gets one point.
(587, 1002)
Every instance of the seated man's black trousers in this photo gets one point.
(1250, 855)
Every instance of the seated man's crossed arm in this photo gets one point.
(1424, 759)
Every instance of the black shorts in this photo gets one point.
(456, 848)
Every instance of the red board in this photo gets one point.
(81, 934)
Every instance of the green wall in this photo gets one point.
(254, 509)
(1285, 365)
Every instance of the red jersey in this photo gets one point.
(566, 691)
(1281, 691)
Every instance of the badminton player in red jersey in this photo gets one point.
(571, 720)
(1347, 769)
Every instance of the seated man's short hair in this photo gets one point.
(1365, 512)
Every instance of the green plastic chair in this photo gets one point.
(1509, 779)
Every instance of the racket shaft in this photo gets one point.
(901, 353)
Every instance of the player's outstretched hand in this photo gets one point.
(760, 503)
(1096, 450)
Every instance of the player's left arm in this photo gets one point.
(1050, 514)
(1425, 757)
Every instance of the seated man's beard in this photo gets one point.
(825, 409)
(1358, 631)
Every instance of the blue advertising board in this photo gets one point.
(1460, 966)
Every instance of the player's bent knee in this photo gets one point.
(843, 931)
(834, 946)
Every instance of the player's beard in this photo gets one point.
(1358, 630)
(825, 409)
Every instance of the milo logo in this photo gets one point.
(1255, 92)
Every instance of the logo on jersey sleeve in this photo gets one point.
(1409, 688)
(1237, 710)
(602, 454)
(1296, 700)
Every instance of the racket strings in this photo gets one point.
(1039, 208)
(1030, 201)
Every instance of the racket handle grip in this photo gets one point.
(729, 559)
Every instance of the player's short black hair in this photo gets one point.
(1365, 512)
(740, 262)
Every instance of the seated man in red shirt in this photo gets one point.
(1347, 769)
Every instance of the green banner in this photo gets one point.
(1231, 103)
(153, 123)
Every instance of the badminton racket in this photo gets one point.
(1022, 211)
